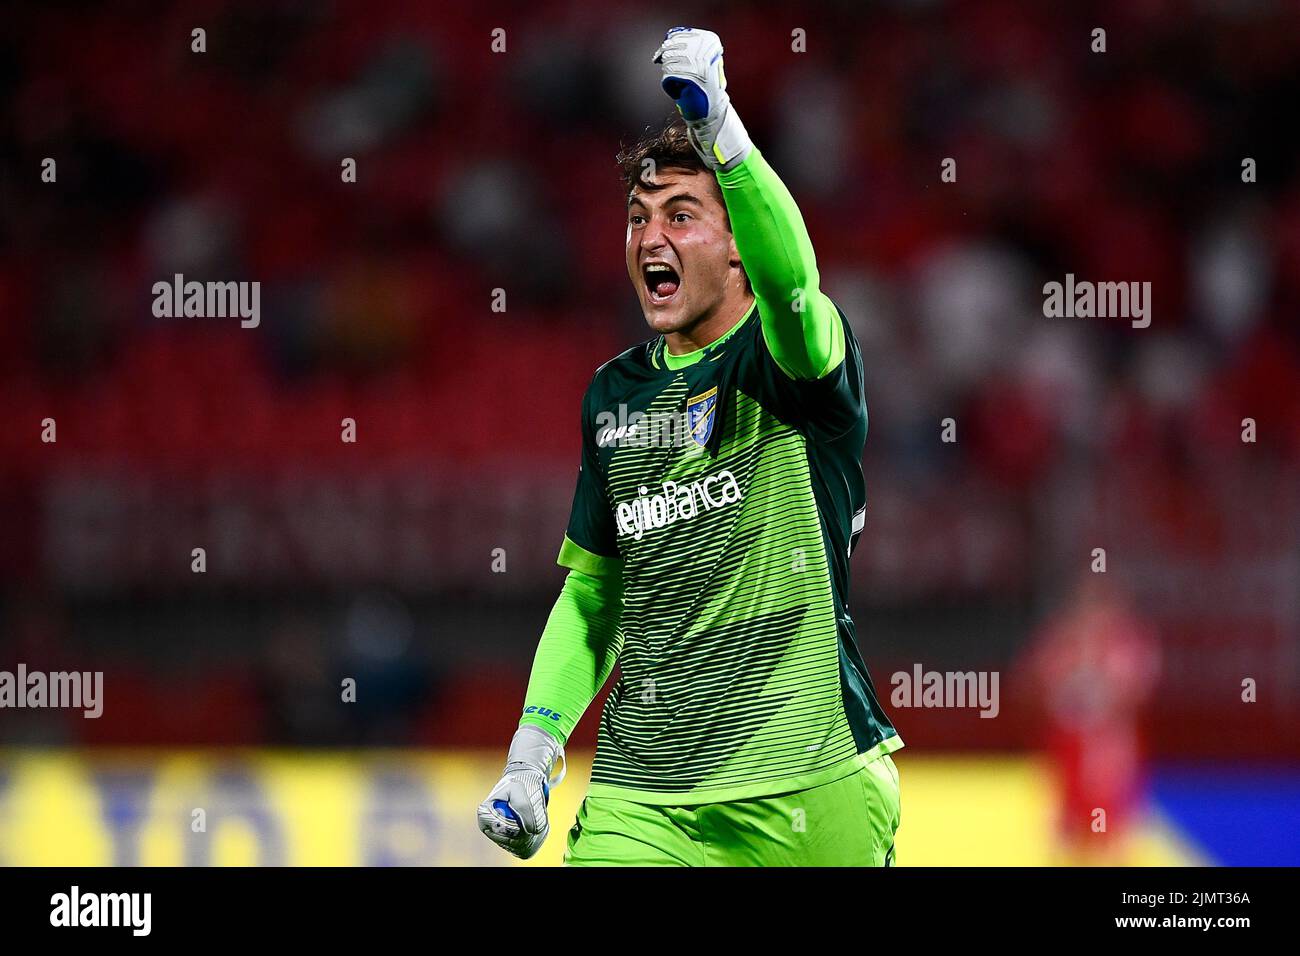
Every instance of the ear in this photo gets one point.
(733, 254)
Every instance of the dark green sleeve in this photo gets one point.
(591, 539)
(800, 324)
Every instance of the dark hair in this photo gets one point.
(668, 147)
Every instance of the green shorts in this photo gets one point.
(848, 822)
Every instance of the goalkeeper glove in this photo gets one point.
(693, 77)
(514, 814)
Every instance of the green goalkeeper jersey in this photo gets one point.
(719, 499)
(732, 504)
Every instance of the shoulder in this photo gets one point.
(828, 314)
(614, 375)
(832, 404)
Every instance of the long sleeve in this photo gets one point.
(800, 324)
(576, 654)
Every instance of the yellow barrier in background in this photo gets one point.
(374, 808)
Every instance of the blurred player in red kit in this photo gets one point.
(1096, 663)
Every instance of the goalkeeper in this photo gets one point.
(711, 561)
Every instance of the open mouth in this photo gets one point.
(661, 281)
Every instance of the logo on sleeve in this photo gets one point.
(542, 712)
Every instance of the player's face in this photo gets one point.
(680, 254)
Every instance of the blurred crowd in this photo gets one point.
(480, 169)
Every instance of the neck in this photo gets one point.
(709, 327)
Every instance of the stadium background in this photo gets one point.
(479, 171)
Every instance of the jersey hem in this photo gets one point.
(762, 788)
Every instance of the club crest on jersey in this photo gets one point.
(700, 415)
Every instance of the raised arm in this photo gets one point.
(800, 324)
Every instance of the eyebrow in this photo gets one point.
(680, 197)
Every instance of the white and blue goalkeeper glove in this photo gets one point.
(514, 814)
(693, 77)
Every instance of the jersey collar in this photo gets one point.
(661, 359)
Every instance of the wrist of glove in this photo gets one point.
(513, 815)
(693, 76)
(723, 146)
